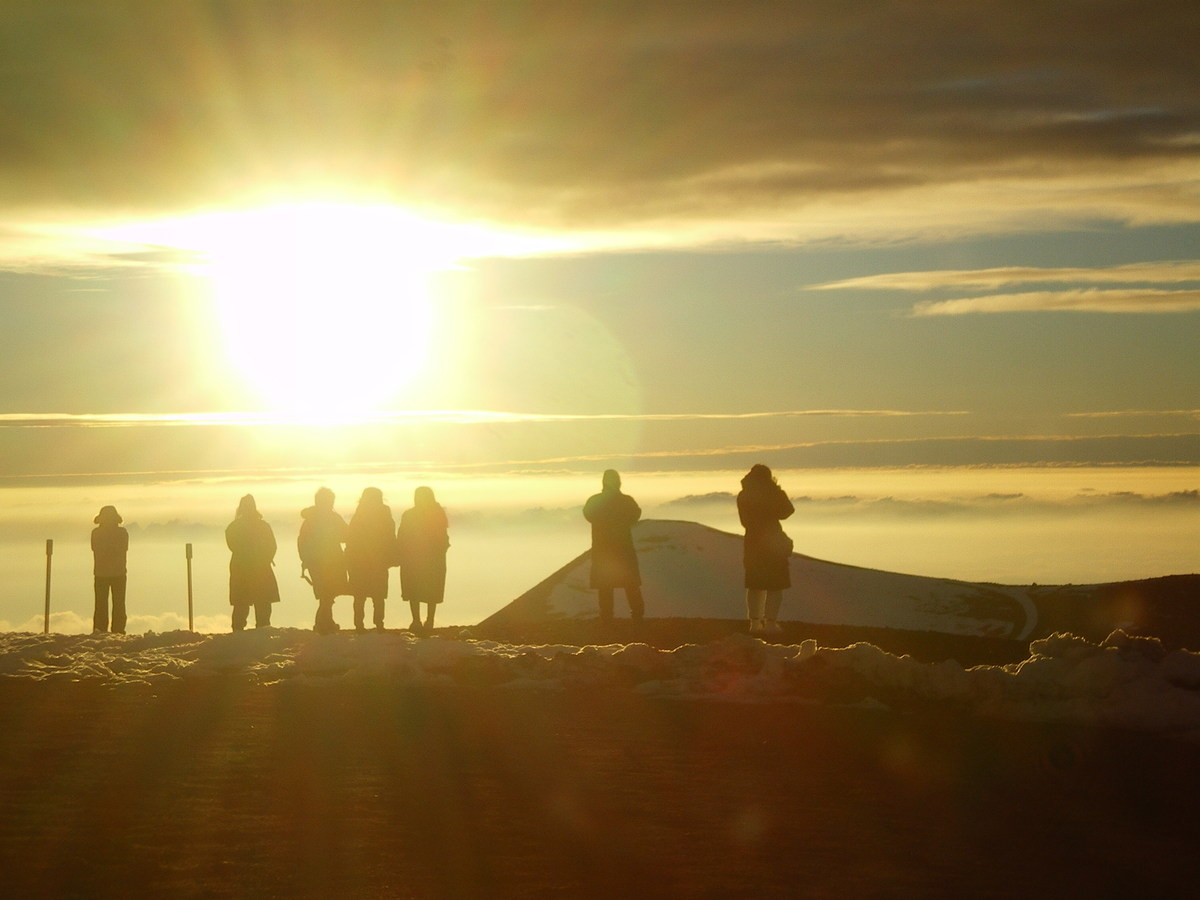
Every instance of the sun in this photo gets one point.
(325, 307)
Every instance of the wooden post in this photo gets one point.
(49, 555)
(188, 553)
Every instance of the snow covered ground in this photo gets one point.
(1125, 681)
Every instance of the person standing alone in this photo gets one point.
(614, 558)
(767, 550)
(110, 546)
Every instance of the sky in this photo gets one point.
(283, 244)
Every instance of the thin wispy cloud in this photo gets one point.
(1094, 301)
(991, 279)
(412, 417)
(1137, 413)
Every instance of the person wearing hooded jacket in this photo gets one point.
(252, 546)
(110, 546)
(422, 541)
(612, 515)
(322, 561)
(370, 553)
(766, 550)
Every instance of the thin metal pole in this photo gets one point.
(49, 556)
(188, 554)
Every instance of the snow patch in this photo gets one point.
(1125, 681)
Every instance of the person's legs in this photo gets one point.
(380, 605)
(774, 601)
(604, 597)
(755, 601)
(360, 609)
(241, 611)
(100, 612)
(637, 605)
(324, 623)
(429, 617)
(118, 604)
(262, 615)
(415, 607)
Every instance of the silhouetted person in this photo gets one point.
(322, 534)
(370, 552)
(422, 541)
(251, 544)
(766, 551)
(110, 546)
(614, 559)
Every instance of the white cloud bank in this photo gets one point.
(1126, 681)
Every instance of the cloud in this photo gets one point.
(411, 417)
(990, 505)
(71, 622)
(1130, 299)
(990, 279)
(1143, 300)
(649, 122)
(1133, 413)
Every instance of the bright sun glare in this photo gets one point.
(324, 307)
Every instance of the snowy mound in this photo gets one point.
(1127, 682)
(693, 571)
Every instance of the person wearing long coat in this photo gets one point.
(422, 541)
(252, 547)
(370, 553)
(612, 515)
(110, 545)
(322, 561)
(766, 550)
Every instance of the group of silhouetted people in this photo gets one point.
(354, 559)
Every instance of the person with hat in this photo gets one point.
(110, 545)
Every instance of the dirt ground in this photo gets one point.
(217, 788)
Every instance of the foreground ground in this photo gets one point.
(217, 788)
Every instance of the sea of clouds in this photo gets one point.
(1130, 682)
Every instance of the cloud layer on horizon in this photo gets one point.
(658, 122)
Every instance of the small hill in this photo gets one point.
(691, 571)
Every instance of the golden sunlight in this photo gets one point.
(324, 307)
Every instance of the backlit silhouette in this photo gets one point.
(766, 550)
(614, 559)
(322, 561)
(252, 581)
(422, 540)
(370, 552)
(110, 546)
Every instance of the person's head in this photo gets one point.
(324, 498)
(611, 480)
(423, 496)
(758, 474)
(371, 496)
(108, 515)
(247, 506)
